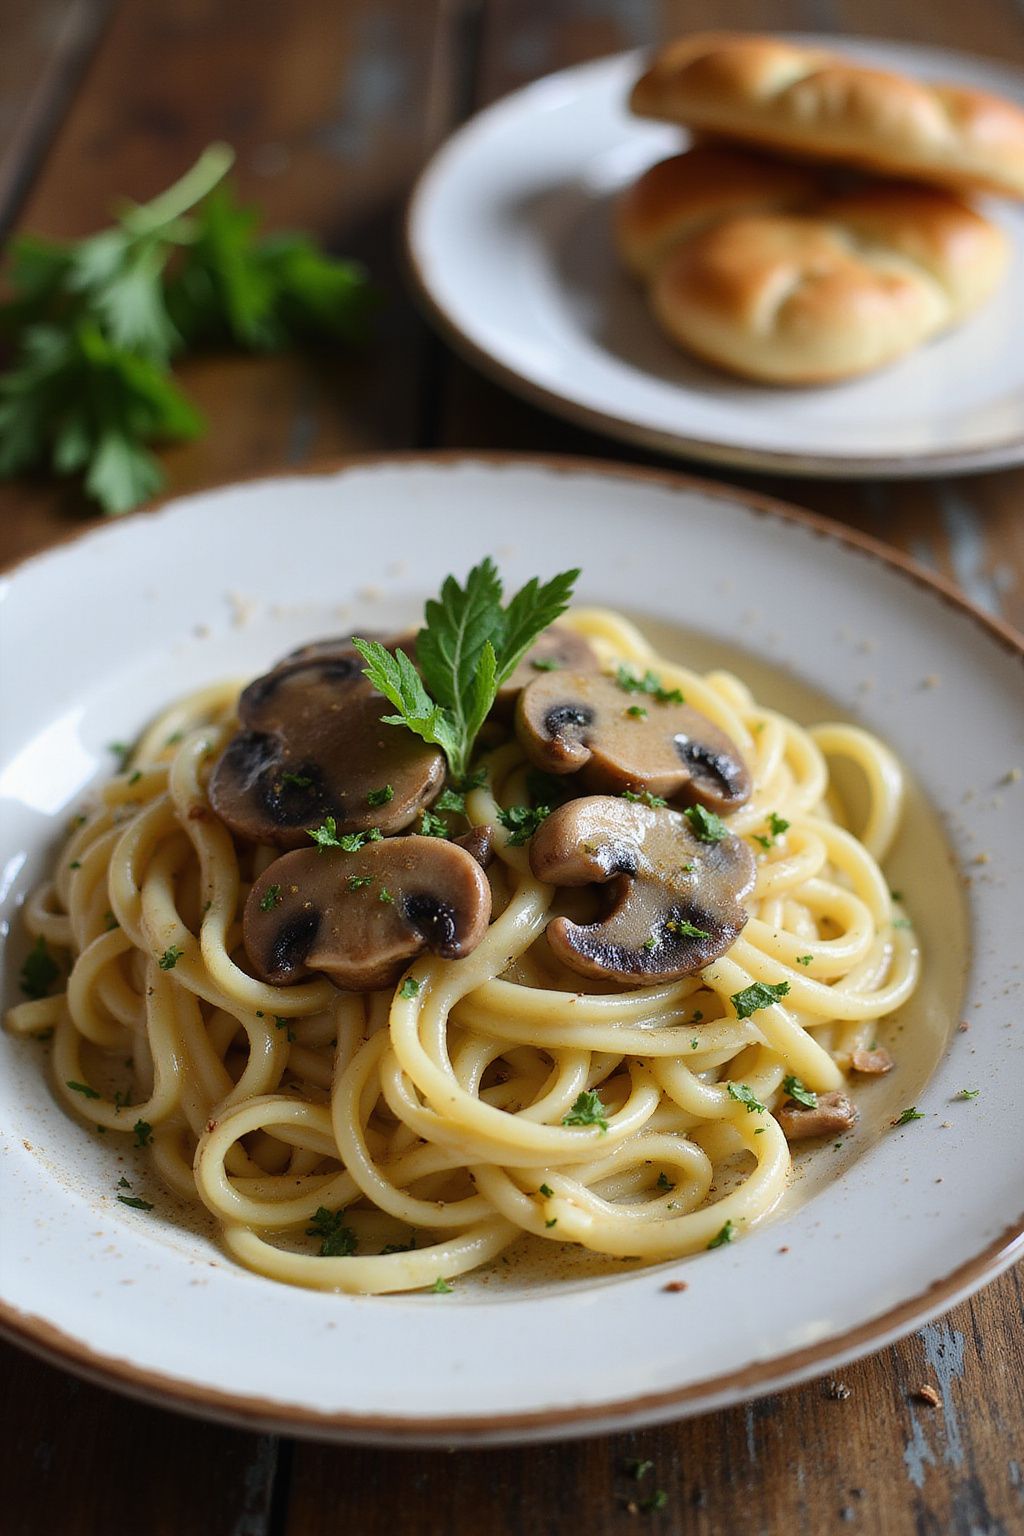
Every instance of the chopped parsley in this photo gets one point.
(143, 1133)
(546, 664)
(552, 1223)
(75, 864)
(450, 800)
(657, 1500)
(650, 684)
(286, 1024)
(726, 1235)
(39, 971)
(760, 994)
(433, 826)
(136, 1202)
(135, 777)
(913, 1113)
(651, 942)
(356, 882)
(122, 1100)
(521, 821)
(385, 896)
(82, 1088)
(639, 1469)
(271, 898)
(546, 1191)
(683, 929)
(297, 780)
(326, 836)
(804, 959)
(170, 957)
(382, 796)
(967, 1093)
(587, 1110)
(664, 1182)
(123, 1183)
(744, 1095)
(705, 825)
(796, 1090)
(337, 1241)
(777, 825)
(644, 798)
(122, 751)
(637, 711)
(410, 988)
(694, 1045)
(441, 1287)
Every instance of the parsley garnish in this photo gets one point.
(385, 896)
(777, 825)
(450, 800)
(336, 1240)
(356, 882)
(170, 957)
(75, 864)
(657, 1501)
(283, 1023)
(796, 1090)
(804, 959)
(637, 711)
(913, 1113)
(967, 1093)
(94, 322)
(326, 836)
(639, 1469)
(685, 929)
(546, 664)
(122, 751)
(433, 826)
(441, 1287)
(705, 825)
(760, 994)
(82, 1088)
(382, 796)
(522, 821)
(744, 1095)
(726, 1235)
(135, 777)
(587, 1110)
(664, 1182)
(297, 780)
(39, 971)
(546, 1191)
(136, 1202)
(644, 798)
(650, 684)
(143, 1133)
(271, 898)
(410, 988)
(469, 645)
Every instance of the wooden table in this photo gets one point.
(333, 105)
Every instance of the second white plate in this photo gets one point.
(509, 243)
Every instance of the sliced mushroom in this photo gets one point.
(312, 745)
(872, 1063)
(832, 1114)
(675, 903)
(578, 722)
(479, 843)
(556, 649)
(361, 917)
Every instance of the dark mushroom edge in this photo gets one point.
(675, 903)
(586, 723)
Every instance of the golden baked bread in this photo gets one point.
(776, 95)
(678, 196)
(835, 290)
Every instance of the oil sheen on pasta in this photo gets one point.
(434, 1122)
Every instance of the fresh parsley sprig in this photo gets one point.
(469, 645)
(93, 324)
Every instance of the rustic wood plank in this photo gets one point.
(331, 109)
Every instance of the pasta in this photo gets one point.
(417, 1131)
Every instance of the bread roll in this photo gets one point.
(678, 196)
(816, 105)
(822, 295)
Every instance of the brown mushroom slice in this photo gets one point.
(361, 917)
(479, 843)
(675, 903)
(578, 722)
(556, 649)
(874, 1063)
(311, 746)
(832, 1115)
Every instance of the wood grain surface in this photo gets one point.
(333, 105)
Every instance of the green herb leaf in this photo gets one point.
(760, 994)
(136, 1202)
(657, 1501)
(684, 929)
(356, 882)
(296, 780)
(170, 957)
(796, 1090)
(39, 970)
(385, 896)
(644, 798)
(705, 825)
(410, 988)
(326, 836)
(521, 821)
(337, 1241)
(546, 1191)
(664, 1182)
(143, 1133)
(804, 959)
(650, 684)
(450, 800)
(724, 1236)
(382, 796)
(82, 1088)
(433, 826)
(905, 1117)
(441, 1287)
(744, 1095)
(271, 898)
(967, 1093)
(587, 1110)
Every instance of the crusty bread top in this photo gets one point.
(777, 95)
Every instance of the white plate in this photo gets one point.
(99, 633)
(509, 242)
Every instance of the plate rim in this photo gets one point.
(1004, 455)
(53, 1344)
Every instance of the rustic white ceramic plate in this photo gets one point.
(875, 1238)
(509, 243)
